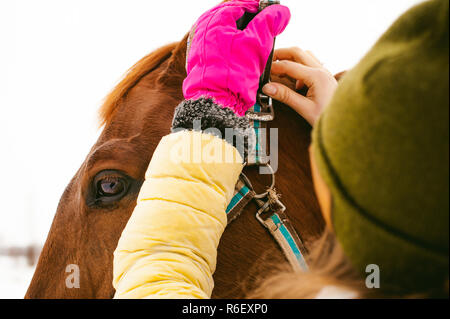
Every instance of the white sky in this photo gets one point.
(58, 59)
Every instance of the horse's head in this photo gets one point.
(99, 200)
(101, 197)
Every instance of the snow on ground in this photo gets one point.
(15, 277)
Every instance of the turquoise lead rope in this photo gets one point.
(258, 155)
(278, 223)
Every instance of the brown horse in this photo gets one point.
(99, 200)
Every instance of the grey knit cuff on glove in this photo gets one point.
(206, 116)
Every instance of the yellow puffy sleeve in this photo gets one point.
(169, 246)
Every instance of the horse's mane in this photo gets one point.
(131, 78)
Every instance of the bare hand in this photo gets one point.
(307, 70)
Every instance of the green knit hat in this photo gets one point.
(382, 147)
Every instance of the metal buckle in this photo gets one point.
(266, 102)
(264, 208)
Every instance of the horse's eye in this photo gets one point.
(110, 187)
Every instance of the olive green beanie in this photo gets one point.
(382, 147)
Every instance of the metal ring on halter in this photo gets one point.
(272, 186)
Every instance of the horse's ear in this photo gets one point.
(175, 72)
(340, 75)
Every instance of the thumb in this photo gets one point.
(272, 20)
(285, 95)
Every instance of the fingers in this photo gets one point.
(314, 57)
(297, 55)
(306, 70)
(297, 71)
(301, 104)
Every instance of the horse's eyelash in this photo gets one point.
(110, 176)
(107, 177)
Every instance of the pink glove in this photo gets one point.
(225, 63)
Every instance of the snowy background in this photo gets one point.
(58, 60)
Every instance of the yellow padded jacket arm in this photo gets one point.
(169, 246)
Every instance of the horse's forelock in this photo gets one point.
(132, 77)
